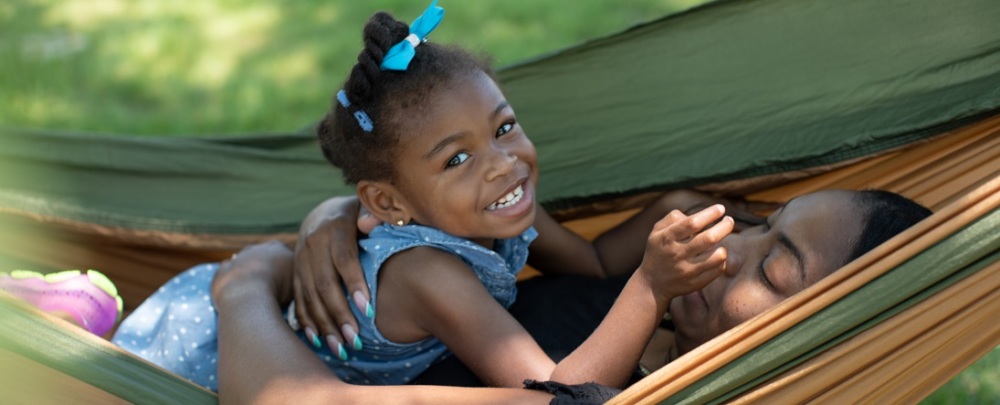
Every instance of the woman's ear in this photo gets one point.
(384, 202)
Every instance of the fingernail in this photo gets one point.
(351, 335)
(313, 337)
(362, 303)
(335, 345)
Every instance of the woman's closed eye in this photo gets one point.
(765, 227)
(456, 160)
(763, 275)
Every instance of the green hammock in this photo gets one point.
(732, 90)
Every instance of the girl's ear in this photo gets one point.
(384, 201)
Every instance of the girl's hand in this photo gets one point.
(268, 264)
(744, 213)
(681, 255)
(325, 254)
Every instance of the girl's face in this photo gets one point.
(801, 243)
(465, 165)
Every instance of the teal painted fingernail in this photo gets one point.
(335, 344)
(350, 334)
(361, 302)
(312, 336)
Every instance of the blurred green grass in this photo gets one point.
(200, 68)
(186, 68)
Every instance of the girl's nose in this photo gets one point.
(501, 166)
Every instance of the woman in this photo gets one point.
(799, 244)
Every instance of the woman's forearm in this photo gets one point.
(260, 359)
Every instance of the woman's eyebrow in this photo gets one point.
(797, 254)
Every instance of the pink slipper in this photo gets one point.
(90, 298)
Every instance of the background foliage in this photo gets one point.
(241, 66)
(218, 67)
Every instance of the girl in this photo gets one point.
(436, 153)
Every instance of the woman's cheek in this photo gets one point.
(743, 304)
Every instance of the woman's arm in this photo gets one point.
(326, 253)
(262, 361)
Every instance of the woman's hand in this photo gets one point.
(266, 265)
(744, 213)
(325, 254)
(681, 255)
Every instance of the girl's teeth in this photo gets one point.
(510, 199)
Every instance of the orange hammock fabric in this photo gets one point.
(901, 359)
(958, 174)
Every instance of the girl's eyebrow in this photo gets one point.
(450, 139)
(496, 111)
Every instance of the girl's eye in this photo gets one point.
(505, 128)
(457, 159)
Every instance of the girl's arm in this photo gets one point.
(619, 250)
(443, 298)
(262, 361)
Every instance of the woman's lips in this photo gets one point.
(696, 299)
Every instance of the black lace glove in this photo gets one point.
(578, 394)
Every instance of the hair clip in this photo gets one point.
(399, 56)
(363, 120)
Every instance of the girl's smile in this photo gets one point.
(464, 164)
(514, 203)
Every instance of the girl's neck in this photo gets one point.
(486, 243)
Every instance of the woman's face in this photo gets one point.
(801, 243)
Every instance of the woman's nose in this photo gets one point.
(734, 255)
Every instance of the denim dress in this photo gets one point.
(176, 327)
(383, 362)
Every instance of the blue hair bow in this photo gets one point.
(400, 55)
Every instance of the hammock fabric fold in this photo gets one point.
(765, 99)
(962, 238)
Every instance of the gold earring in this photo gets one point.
(399, 223)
